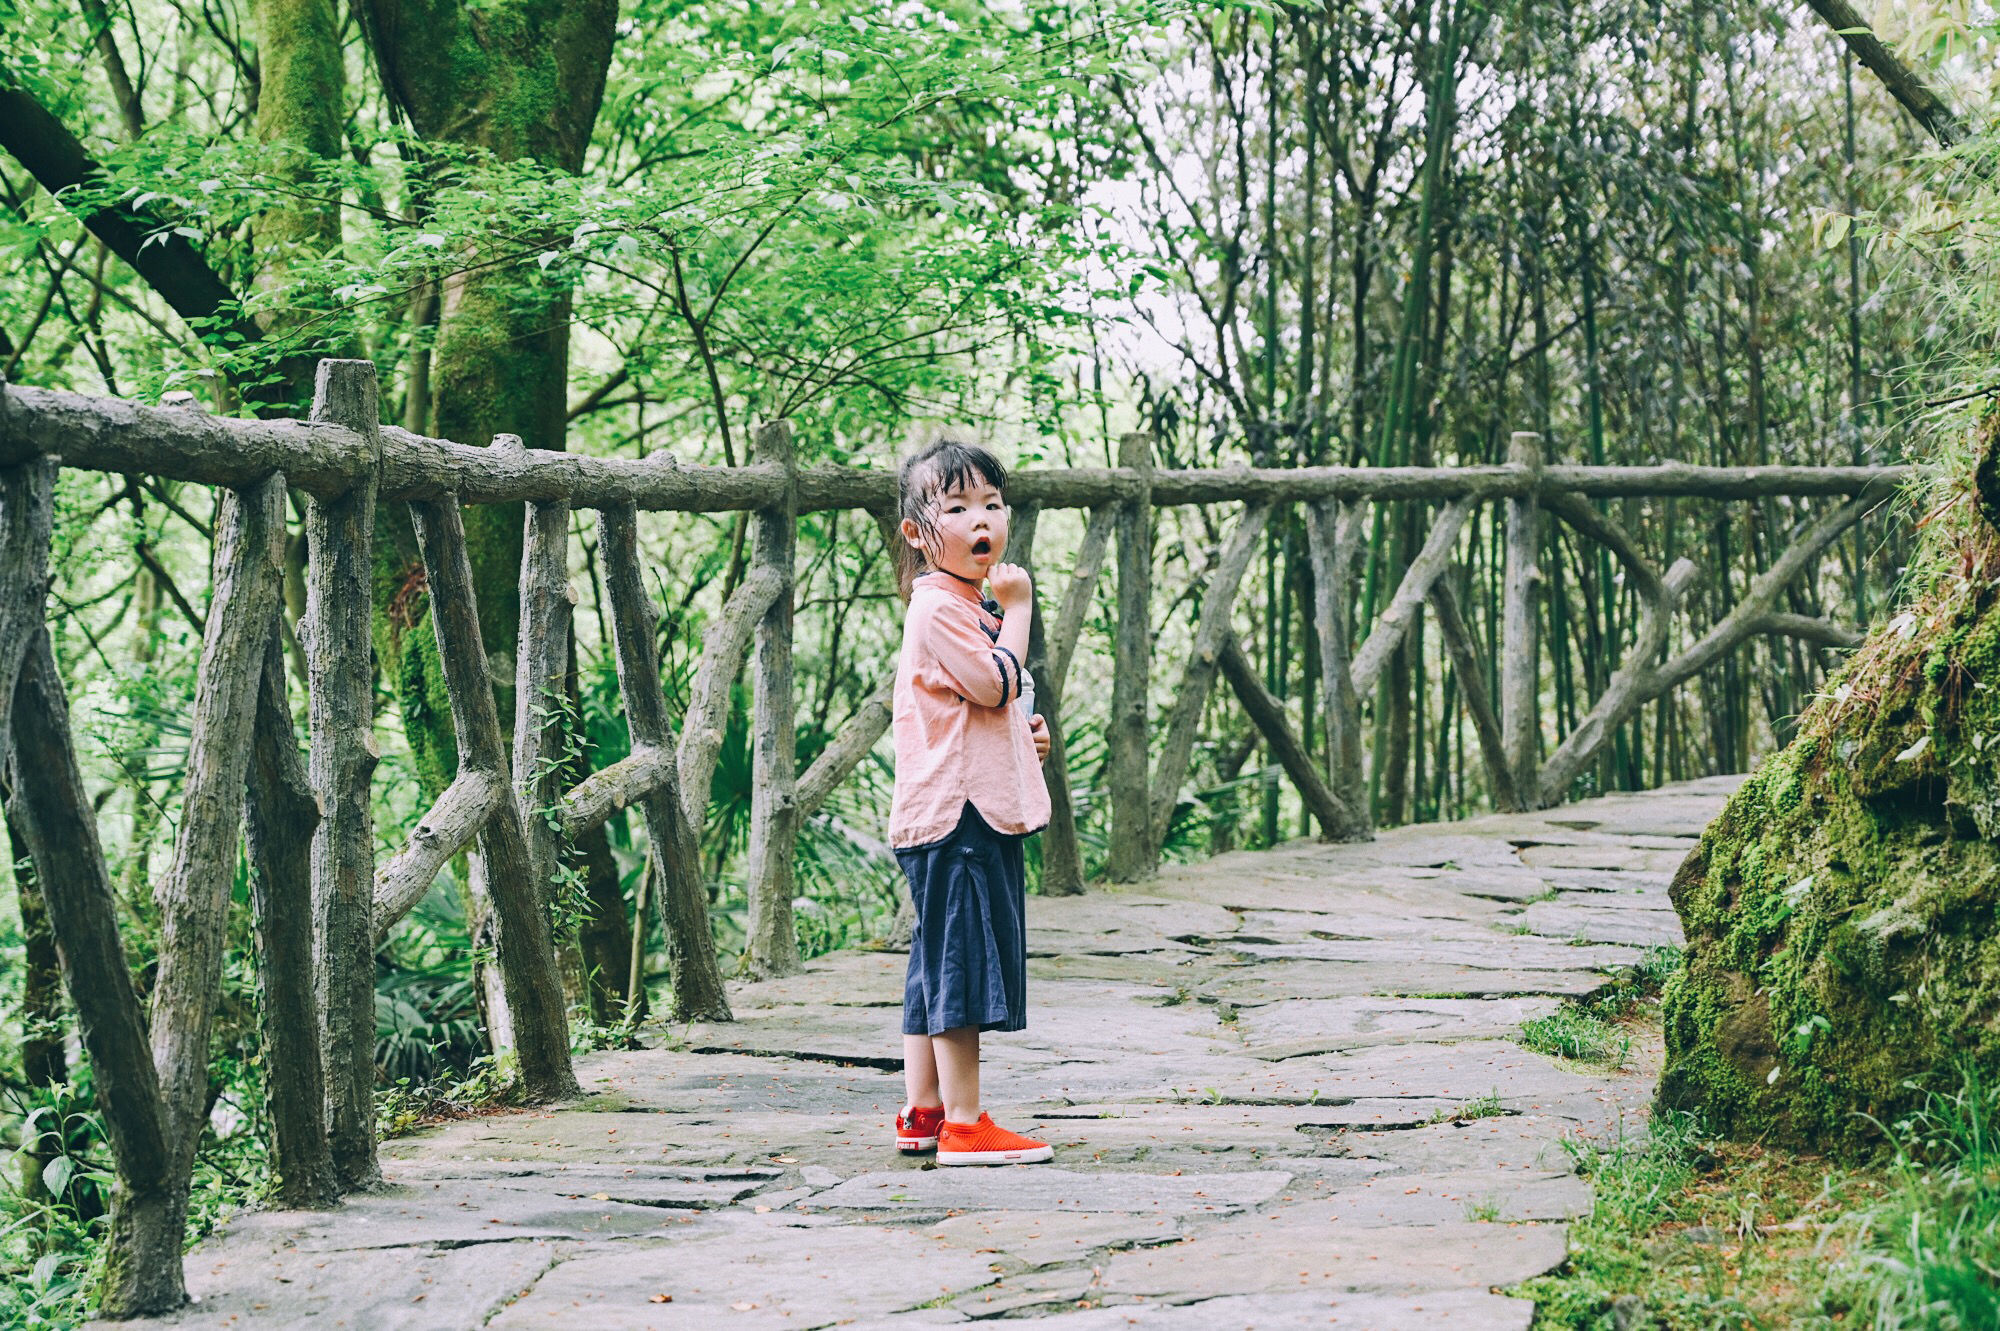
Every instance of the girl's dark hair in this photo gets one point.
(946, 463)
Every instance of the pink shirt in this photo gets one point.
(960, 733)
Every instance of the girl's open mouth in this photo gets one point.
(982, 546)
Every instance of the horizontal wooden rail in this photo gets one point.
(325, 460)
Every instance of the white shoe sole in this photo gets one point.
(1034, 1156)
(914, 1144)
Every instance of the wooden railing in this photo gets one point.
(322, 902)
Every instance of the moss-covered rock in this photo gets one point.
(1843, 913)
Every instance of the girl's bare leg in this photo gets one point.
(920, 1072)
(957, 1063)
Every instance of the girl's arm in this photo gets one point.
(980, 671)
(1015, 592)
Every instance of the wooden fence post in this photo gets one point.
(142, 1267)
(1131, 856)
(341, 757)
(528, 975)
(1520, 722)
(1184, 718)
(194, 895)
(1332, 539)
(773, 948)
(1062, 861)
(698, 992)
(58, 826)
(541, 660)
(279, 818)
(1062, 856)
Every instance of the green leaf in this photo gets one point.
(57, 1173)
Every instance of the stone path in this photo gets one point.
(1253, 1070)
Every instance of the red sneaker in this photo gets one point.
(984, 1143)
(917, 1127)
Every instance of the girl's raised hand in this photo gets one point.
(1011, 585)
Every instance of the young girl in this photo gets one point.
(968, 792)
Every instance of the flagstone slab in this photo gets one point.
(1271, 1254)
(1285, 981)
(1609, 923)
(1613, 855)
(436, 1289)
(855, 978)
(756, 1276)
(1043, 1238)
(1498, 1146)
(1501, 952)
(1436, 1310)
(1443, 1199)
(1305, 1026)
(1052, 1188)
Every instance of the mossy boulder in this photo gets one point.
(1843, 913)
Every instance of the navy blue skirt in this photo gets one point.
(969, 949)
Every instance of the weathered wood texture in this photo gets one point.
(1478, 703)
(854, 741)
(1332, 540)
(1393, 624)
(725, 645)
(341, 758)
(1198, 677)
(27, 507)
(451, 824)
(193, 897)
(1050, 649)
(1131, 856)
(698, 992)
(541, 664)
(1520, 673)
(1267, 713)
(142, 1268)
(534, 994)
(772, 948)
(327, 459)
(279, 818)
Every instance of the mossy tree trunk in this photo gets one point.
(523, 82)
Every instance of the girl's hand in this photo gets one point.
(1038, 731)
(1011, 586)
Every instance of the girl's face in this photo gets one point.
(968, 529)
